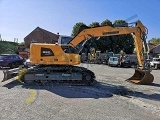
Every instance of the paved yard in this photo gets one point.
(110, 97)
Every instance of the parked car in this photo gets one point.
(11, 60)
(128, 60)
(113, 61)
(125, 63)
(155, 63)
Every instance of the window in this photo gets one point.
(115, 59)
(65, 40)
(69, 49)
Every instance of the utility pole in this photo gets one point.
(16, 40)
(0, 38)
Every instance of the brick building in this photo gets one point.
(40, 35)
(155, 51)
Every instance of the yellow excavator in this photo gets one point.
(94, 56)
(58, 62)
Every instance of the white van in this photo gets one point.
(155, 63)
(113, 61)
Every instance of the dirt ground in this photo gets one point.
(110, 97)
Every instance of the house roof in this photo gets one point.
(152, 46)
(50, 34)
(53, 36)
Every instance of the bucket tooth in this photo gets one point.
(141, 77)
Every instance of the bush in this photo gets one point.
(8, 47)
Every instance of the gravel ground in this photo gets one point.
(109, 98)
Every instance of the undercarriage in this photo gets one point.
(59, 74)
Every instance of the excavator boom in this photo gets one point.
(139, 32)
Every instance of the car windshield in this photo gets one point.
(114, 59)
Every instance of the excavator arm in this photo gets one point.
(142, 75)
(138, 32)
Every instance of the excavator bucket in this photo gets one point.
(141, 77)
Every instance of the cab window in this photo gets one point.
(69, 49)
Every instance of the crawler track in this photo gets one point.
(58, 74)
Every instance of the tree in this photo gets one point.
(8, 47)
(22, 43)
(104, 43)
(122, 42)
(154, 40)
(106, 23)
(94, 24)
(120, 23)
(118, 42)
(110, 43)
(77, 28)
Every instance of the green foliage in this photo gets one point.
(120, 23)
(123, 42)
(154, 41)
(22, 43)
(8, 47)
(106, 23)
(94, 24)
(110, 43)
(76, 28)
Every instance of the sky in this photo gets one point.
(18, 18)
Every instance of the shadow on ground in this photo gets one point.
(155, 84)
(97, 90)
(68, 91)
(123, 91)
